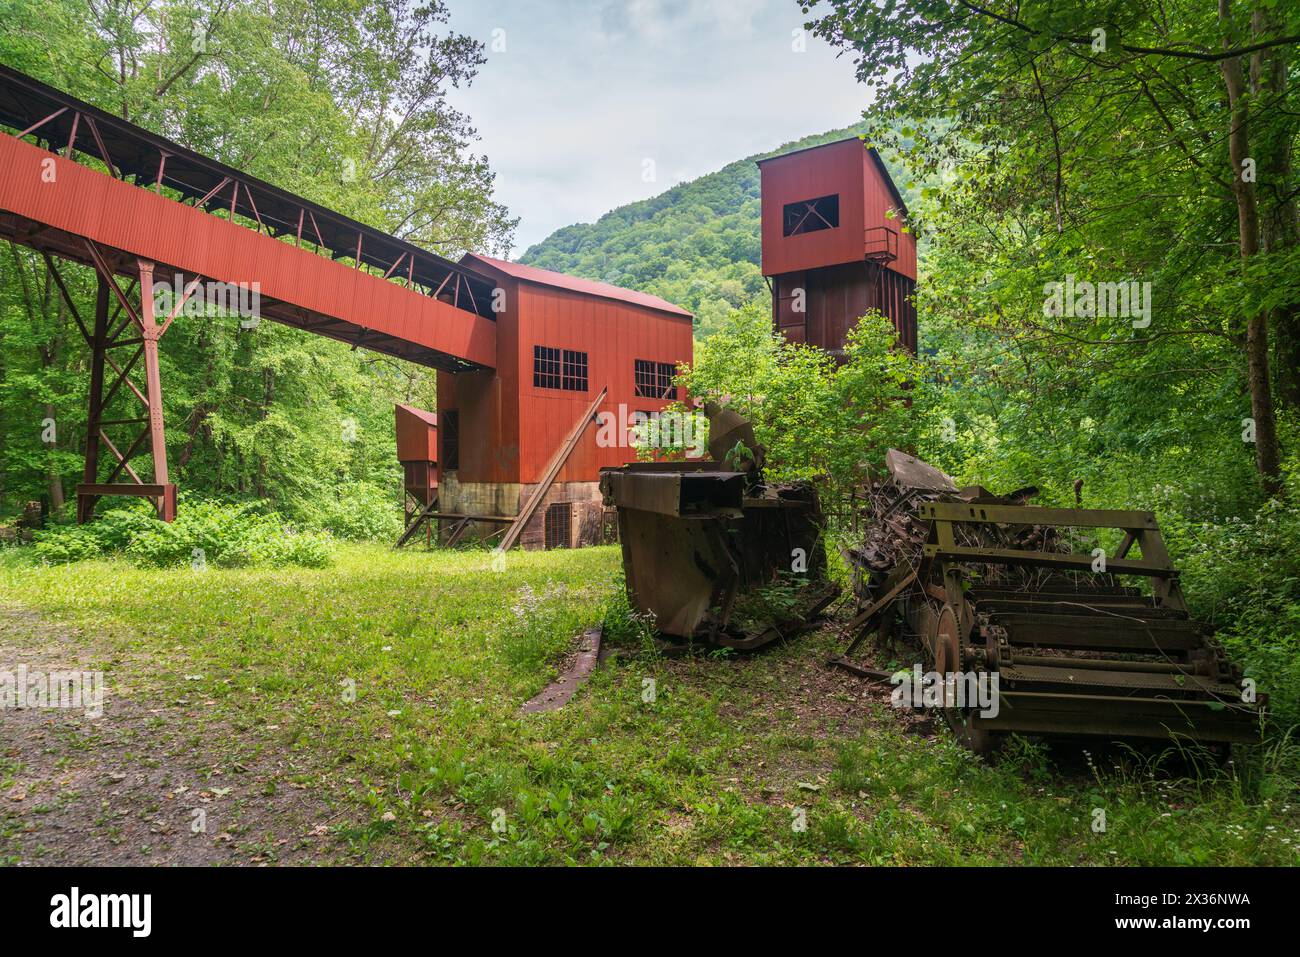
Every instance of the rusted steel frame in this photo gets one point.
(67, 297)
(396, 262)
(457, 532)
(136, 421)
(552, 470)
(251, 202)
(234, 200)
(445, 280)
(469, 288)
(1126, 544)
(70, 149)
(357, 257)
(106, 271)
(851, 666)
(122, 377)
(115, 338)
(90, 471)
(455, 297)
(162, 165)
(36, 126)
(794, 230)
(176, 309)
(1012, 556)
(153, 379)
(212, 192)
(143, 490)
(319, 240)
(1036, 515)
(103, 150)
(298, 241)
(1153, 548)
(123, 460)
(899, 579)
(457, 516)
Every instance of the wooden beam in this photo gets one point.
(552, 470)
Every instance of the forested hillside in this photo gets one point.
(696, 244)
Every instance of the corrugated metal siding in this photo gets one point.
(845, 169)
(879, 202)
(126, 217)
(613, 335)
(833, 169)
(417, 440)
(488, 404)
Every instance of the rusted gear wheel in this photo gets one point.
(945, 642)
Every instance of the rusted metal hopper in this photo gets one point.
(713, 553)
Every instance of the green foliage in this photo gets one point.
(360, 512)
(815, 418)
(1243, 576)
(205, 533)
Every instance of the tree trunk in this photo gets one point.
(1268, 455)
(1279, 212)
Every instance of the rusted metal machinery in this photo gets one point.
(713, 552)
(1082, 641)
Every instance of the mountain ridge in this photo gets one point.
(696, 244)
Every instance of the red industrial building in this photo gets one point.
(526, 357)
(560, 340)
(835, 244)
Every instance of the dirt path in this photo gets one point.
(155, 779)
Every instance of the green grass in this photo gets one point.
(730, 755)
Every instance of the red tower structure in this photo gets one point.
(835, 244)
(417, 450)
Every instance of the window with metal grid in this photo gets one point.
(559, 369)
(654, 380)
(575, 371)
(810, 215)
(558, 524)
(546, 367)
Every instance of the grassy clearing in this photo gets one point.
(402, 675)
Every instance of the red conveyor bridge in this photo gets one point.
(77, 183)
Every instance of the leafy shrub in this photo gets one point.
(220, 534)
(361, 512)
(1243, 577)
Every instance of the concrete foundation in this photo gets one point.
(586, 513)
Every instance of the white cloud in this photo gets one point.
(586, 90)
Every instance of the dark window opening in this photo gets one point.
(546, 367)
(810, 215)
(654, 380)
(558, 525)
(559, 369)
(575, 371)
(449, 432)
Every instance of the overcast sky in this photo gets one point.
(586, 91)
